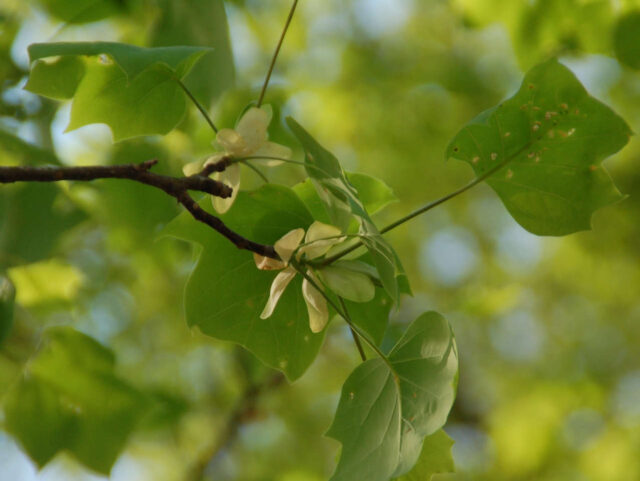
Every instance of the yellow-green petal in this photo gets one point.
(231, 178)
(278, 286)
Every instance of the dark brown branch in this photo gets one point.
(174, 186)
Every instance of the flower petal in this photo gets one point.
(230, 177)
(253, 128)
(278, 286)
(319, 239)
(316, 305)
(354, 286)
(267, 263)
(192, 168)
(288, 243)
(232, 142)
(271, 149)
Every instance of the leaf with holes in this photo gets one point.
(387, 409)
(135, 92)
(551, 137)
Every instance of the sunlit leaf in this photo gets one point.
(435, 458)
(553, 137)
(134, 93)
(69, 399)
(193, 22)
(46, 281)
(226, 292)
(626, 39)
(385, 411)
(341, 201)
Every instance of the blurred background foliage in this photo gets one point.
(548, 328)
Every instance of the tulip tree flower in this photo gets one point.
(318, 239)
(248, 139)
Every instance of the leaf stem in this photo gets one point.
(422, 210)
(275, 54)
(197, 104)
(356, 338)
(342, 314)
(256, 170)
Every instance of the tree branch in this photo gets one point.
(173, 186)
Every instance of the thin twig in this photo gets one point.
(202, 110)
(421, 210)
(176, 187)
(275, 54)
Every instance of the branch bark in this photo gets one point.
(177, 187)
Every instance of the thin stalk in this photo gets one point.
(358, 331)
(275, 54)
(421, 210)
(197, 104)
(356, 338)
(256, 170)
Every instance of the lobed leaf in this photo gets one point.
(387, 409)
(551, 137)
(226, 292)
(136, 93)
(88, 411)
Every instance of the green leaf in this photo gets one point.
(435, 458)
(341, 201)
(372, 316)
(14, 150)
(7, 299)
(226, 292)
(131, 59)
(70, 399)
(626, 39)
(386, 410)
(552, 136)
(82, 11)
(135, 94)
(194, 22)
(374, 194)
(347, 283)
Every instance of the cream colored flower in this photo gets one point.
(248, 139)
(318, 239)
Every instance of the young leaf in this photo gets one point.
(7, 298)
(551, 137)
(341, 201)
(135, 94)
(435, 458)
(70, 399)
(226, 292)
(386, 410)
